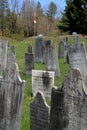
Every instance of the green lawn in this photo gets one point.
(21, 49)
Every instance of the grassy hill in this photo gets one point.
(21, 49)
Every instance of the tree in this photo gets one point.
(27, 16)
(52, 10)
(4, 9)
(75, 16)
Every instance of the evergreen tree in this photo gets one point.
(51, 12)
(75, 16)
(4, 9)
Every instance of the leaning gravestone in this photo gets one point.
(69, 104)
(29, 62)
(77, 57)
(38, 48)
(61, 51)
(39, 113)
(42, 81)
(52, 60)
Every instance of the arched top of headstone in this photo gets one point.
(74, 33)
(74, 83)
(39, 98)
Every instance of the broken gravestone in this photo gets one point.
(39, 113)
(61, 51)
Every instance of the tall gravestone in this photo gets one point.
(46, 43)
(52, 60)
(39, 113)
(77, 57)
(30, 49)
(69, 104)
(61, 49)
(75, 38)
(38, 48)
(29, 62)
(11, 95)
(42, 81)
(3, 53)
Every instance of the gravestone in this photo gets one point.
(38, 48)
(46, 43)
(39, 113)
(75, 38)
(30, 49)
(13, 50)
(77, 57)
(11, 95)
(69, 104)
(61, 51)
(29, 62)
(52, 60)
(3, 53)
(42, 81)
(65, 39)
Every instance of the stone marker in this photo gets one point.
(29, 62)
(42, 81)
(30, 49)
(13, 50)
(77, 57)
(3, 53)
(61, 51)
(52, 60)
(11, 96)
(69, 104)
(38, 48)
(39, 113)
(76, 38)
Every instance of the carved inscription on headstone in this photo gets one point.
(39, 113)
(42, 81)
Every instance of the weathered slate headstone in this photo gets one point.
(38, 48)
(42, 81)
(29, 62)
(13, 50)
(69, 104)
(11, 96)
(39, 113)
(76, 38)
(46, 43)
(65, 39)
(61, 50)
(30, 49)
(52, 60)
(77, 57)
(3, 53)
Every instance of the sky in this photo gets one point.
(60, 3)
(44, 3)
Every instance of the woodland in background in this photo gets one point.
(18, 22)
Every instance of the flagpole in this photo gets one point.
(35, 23)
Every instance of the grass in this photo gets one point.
(21, 49)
